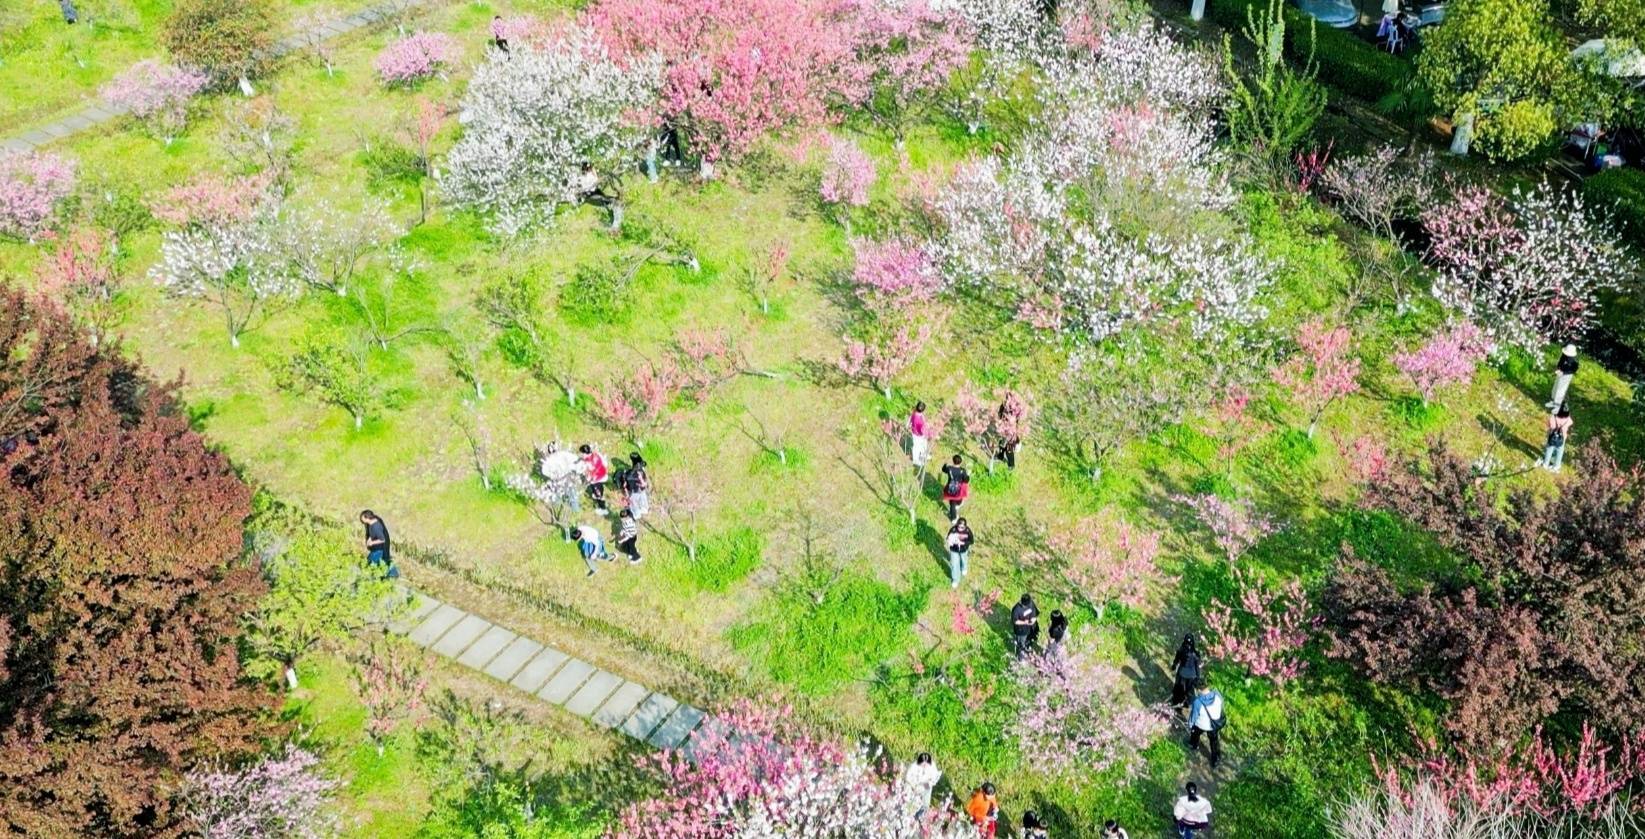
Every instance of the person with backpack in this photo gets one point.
(1205, 716)
(984, 810)
(1185, 669)
(628, 536)
(637, 486)
(1559, 430)
(956, 486)
(1057, 632)
(959, 542)
(595, 472)
(919, 445)
(1025, 625)
(1112, 830)
(592, 546)
(1192, 812)
(1032, 827)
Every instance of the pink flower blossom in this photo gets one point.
(1235, 525)
(1265, 631)
(156, 93)
(878, 361)
(848, 174)
(894, 273)
(1367, 458)
(207, 200)
(415, 57)
(281, 795)
(33, 186)
(1448, 358)
(1323, 370)
(1104, 560)
(1078, 719)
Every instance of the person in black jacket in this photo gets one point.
(959, 551)
(1057, 631)
(1186, 670)
(1025, 625)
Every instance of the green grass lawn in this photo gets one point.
(860, 624)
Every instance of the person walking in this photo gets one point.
(984, 810)
(956, 486)
(1185, 668)
(919, 781)
(628, 536)
(379, 551)
(592, 546)
(1032, 827)
(1564, 371)
(1111, 830)
(959, 542)
(1192, 812)
(637, 486)
(1205, 716)
(1025, 625)
(499, 37)
(1009, 427)
(595, 472)
(1056, 633)
(1559, 431)
(919, 445)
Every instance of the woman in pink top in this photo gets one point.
(919, 447)
(1559, 428)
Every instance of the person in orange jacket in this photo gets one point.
(984, 810)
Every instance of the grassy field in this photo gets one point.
(809, 582)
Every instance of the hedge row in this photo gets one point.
(1344, 61)
(1621, 192)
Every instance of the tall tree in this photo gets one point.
(121, 593)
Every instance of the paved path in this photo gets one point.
(99, 112)
(602, 698)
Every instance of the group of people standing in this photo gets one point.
(956, 484)
(631, 479)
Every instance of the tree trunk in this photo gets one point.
(234, 340)
(479, 389)
(571, 395)
(691, 551)
(616, 216)
(651, 161)
(359, 420)
(1462, 134)
(782, 455)
(379, 748)
(291, 676)
(1313, 426)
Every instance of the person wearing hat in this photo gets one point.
(1564, 371)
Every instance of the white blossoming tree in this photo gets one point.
(238, 266)
(536, 116)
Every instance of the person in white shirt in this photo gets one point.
(1205, 716)
(919, 780)
(1112, 830)
(1193, 812)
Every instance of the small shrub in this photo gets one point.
(156, 94)
(226, 39)
(33, 187)
(415, 58)
(597, 294)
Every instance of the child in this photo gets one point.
(628, 536)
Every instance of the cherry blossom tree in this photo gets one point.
(884, 355)
(848, 173)
(637, 404)
(1104, 401)
(1377, 188)
(551, 487)
(681, 500)
(389, 682)
(206, 200)
(1009, 34)
(239, 267)
(1367, 458)
(1265, 631)
(987, 425)
(893, 274)
(765, 271)
(81, 275)
(157, 94)
(1235, 526)
(1323, 370)
(752, 770)
(282, 795)
(33, 187)
(311, 38)
(1448, 358)
(1104, 560)
(1078, 720)
(414, 58)
(911, 48)
(736, 71)
(1527, 268)
(328, 245)
(534, 117)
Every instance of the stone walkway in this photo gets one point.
(99, 112)
(602, 698)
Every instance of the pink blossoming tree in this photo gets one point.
(848, 173)
(894, 273)
(884, 356)
(1103, 560)
(752, 770)
(213, 200)
(389, 682)
(1235, 526)
(1448, 358)
(637, 404)
(910, 49)
(1367, 458)
(81, 275)
(1265, 631)
(414, 58)
(33, 186)
(157, 94)
(282, 795)
(1323, 370)
(1078, 720)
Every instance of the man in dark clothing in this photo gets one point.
(378, 550)
(1185, 668)
(1025, 624)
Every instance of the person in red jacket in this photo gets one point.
(595, 472)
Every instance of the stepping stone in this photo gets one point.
(650, 714)
(537, 671)
(422, 604)
(16, 144)
(486, 648)
(566, 682)
(622, 703)
(56, 129)
(36, 137)
(512, 658)
(76, 122)
(679, 724)
(589, 698)
(461, 636)
(436, 624)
